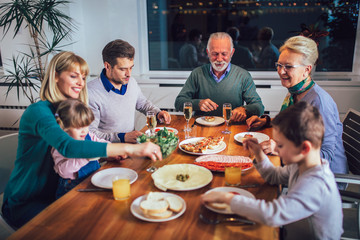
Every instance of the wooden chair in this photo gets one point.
(8, 148)
(351, 140)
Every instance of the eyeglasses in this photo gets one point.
(286, 67)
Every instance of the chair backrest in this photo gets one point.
(351, 140)
(8, 148)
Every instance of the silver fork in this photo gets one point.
(214, 221)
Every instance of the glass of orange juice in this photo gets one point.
(233, 176)
(121, 188)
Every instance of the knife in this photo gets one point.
(249, 186)
(94, 190)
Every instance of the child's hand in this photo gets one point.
(269, 147)
(216, 197)
(252, 145)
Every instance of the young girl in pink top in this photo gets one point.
(74, 117)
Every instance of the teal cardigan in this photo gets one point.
(236, 88)
(33, 177)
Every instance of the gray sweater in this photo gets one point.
(115, 113)
(312, 196)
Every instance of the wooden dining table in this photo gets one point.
(96, 215)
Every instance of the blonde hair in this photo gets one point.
(73, 113)
(220, 35)
(303, 45)
(64, 61)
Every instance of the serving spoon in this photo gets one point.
(214, 221)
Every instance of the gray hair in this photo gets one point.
(219, 35)
(303, 45)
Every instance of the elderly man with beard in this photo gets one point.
(211, 85)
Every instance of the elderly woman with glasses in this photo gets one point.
(296, 62)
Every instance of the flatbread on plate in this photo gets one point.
(165, 177)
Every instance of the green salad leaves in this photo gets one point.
(166, 140)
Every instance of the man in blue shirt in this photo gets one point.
(115, 96)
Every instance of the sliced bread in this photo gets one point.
(220, 206)
(154, 207)
(155, 196)
(174, 204)
(162, 215)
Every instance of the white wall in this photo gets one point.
(99, 22)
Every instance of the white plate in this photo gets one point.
(259, 136)
(161, 128)
(220, 148)
(217, 121)
(165, 177)
(138, 213)
(228, 189)
(103, 179)
(225, 159)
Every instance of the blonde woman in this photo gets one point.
(33, 182)
(297, 58)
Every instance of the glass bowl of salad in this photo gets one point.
(167, 140)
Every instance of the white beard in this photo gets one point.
(219, 69)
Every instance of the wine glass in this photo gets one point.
(151, 124)
(151, 121)
(187, 114)
(227, 115)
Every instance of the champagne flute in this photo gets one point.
(151, 124)
(151, 121)
(227, 115)
(187, 114)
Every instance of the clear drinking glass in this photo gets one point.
(187, 114)
(151, 122)
(227, 115)
(233, 176)
(121, 188)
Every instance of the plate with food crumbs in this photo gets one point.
(261, 137)
(210, 121)
(223, 207)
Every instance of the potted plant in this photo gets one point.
(42, 18)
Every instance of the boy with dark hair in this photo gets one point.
(312, 197)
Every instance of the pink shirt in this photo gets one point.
(68, 167)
